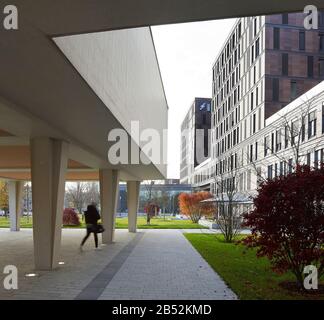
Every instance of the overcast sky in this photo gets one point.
(186, 53)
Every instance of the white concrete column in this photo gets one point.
(49, 159)
(109, 194)
(15, 191)
(133, 189)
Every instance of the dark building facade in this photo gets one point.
(195, 138)
(294, 59)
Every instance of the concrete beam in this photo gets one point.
(15, 190)
(109, 194)
(133, 189)
(75, 16)
(14, 141)
(49, 159)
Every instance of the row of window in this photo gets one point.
(294, 91)
(293, 135)
(310, 65)
(222, 87)
(230, 139)
(285, 18)
(284, 167)
(229, 47)
(301, 38)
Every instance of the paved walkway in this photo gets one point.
(152, 264)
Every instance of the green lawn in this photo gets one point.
(248, 276)
(122, 223)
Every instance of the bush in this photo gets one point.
(192, 206)
(287, 222)
(70, 217)
(151, 211)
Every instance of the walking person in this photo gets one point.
(91, 219)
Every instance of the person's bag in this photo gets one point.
(100, 228)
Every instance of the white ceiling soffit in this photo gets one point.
(122, 69)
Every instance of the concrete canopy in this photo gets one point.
(64, 17)
(44, 92)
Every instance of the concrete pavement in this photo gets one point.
(151, 264)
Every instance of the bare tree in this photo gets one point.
(92, 194)
(227, 210)
(163, 200)
(149, 192)
(76, 195)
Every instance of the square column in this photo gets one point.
(49, 158)
(109, 195)
(15, 190)
(133, 190)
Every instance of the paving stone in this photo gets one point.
(160, 264)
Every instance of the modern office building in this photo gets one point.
(293, 135)
(195, 137)
(266, 62)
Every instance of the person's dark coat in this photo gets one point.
(91, 215)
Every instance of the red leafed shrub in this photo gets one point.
(70, 217)
(152, 209)
(287, 222)
(190, 205)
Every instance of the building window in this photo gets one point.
(321, 42)
(278, 140)
(310, 68)
(254, 123)
(316, 159)
(256, 151)
(272, 142)
(290, 165)
(275, 89)
(251, 152)
(256, 96)
(308, 159)
(248, 182)
(257, 48)
(270, 171)
(266, 145)
(294, 132)
(255, 26)
(254, 74)
(293, 90)
(284, 60)
(204, 118)
(321, 67)
(312, 124)
(303, 129)
(251, 101)
(276, 38)
(302, 40)
(321, 19)
(322, 118)
(285, 18)
(281, 168)
(286, 136)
